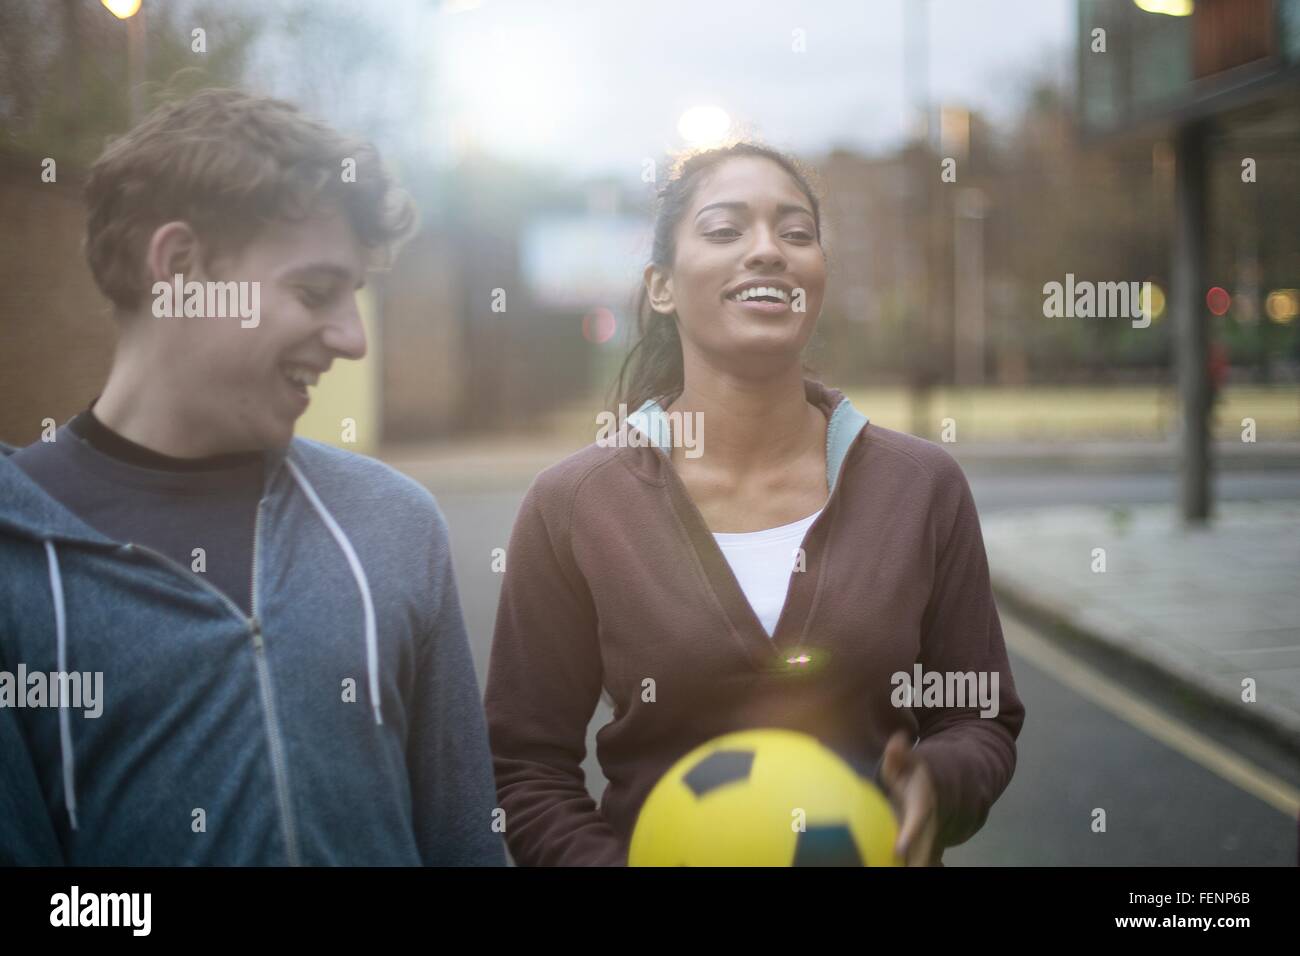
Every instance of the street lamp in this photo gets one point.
(703, 127)
(971, 207)
(122, 9)
(127, 10)
(1170, 8)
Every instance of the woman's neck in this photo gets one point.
(751, 424)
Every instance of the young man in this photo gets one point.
(268, 627)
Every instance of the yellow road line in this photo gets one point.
(1113, 697)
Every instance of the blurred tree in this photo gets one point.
(365, 73)
(63, 68)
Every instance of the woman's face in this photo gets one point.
(748, 225)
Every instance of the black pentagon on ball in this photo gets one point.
(827, 845)
(719, 769)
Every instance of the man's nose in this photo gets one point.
(345, 335)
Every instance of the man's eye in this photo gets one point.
(313, 298)
(720, 233)
(799, 236)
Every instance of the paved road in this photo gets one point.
(1162, 806)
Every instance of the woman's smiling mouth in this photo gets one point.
(763, 297)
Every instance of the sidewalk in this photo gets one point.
(479, 463)
(495, 461)
(1132, 455)
(1207, 608)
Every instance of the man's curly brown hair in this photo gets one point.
(228, 163)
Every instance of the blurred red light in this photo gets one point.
(1218, 300)
(598, 325)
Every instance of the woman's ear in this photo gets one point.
(659, 290)
(173, 250)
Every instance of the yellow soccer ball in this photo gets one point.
(764, 798)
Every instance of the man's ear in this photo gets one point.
(659, 288)
(173, 248)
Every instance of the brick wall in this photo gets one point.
(56, 333)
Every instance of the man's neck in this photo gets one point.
(141, 404)
(106, 441)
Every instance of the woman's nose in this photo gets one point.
(765, 250)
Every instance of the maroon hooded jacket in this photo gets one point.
(613, 577)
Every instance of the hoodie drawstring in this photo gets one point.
(358, 572)
(61, 651)
(61, 633)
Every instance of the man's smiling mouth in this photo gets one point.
(300, 377)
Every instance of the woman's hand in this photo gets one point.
(911, 790)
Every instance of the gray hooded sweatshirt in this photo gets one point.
(339, 723)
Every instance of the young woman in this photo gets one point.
(779, 573)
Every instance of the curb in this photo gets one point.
(503, 461)
(1280, 727)
(1108, 456)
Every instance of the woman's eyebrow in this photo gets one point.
(782, 209)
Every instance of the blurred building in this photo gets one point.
(479, 324)
(1216, 85)
(56, 333)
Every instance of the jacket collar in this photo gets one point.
(844, 425)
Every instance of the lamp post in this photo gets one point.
(130, 11)
(920, 361)
(968, 285)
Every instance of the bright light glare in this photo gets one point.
(1153, 298)
(1170, 8)
(1283, 305)
(122, 9)
(704, 126)
(509, 90)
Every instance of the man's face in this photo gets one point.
(246, 385)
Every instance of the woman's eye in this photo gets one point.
(720, 233)
(799, 236)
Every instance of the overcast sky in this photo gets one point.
(595, 86)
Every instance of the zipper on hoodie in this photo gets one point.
(268, 706)
(254, 624)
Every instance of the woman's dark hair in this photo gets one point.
(653, 366)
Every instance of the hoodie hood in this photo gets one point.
(27, 511)
(845, 423)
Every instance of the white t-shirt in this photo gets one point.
(762, 562)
